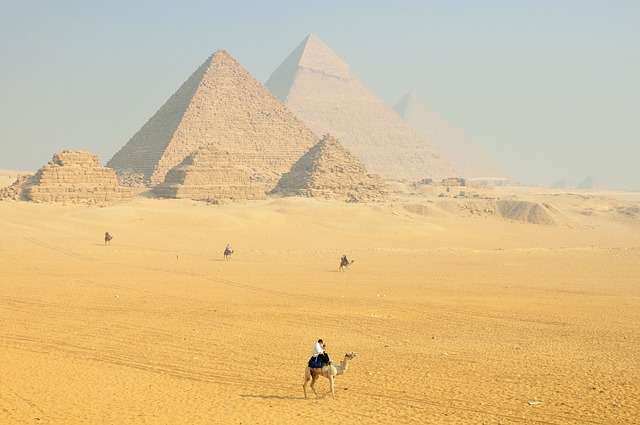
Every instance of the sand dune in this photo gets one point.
(457, 319)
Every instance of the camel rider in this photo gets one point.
(319, 358)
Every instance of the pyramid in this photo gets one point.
(73, 177)
(469, 159)
(221, 104)
(215, 174)
(328, 170)
(321, 90)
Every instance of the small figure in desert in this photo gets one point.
(228, 252)
(107, 238)
(320, 365)
(345, 263)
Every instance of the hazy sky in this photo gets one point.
(550, 88)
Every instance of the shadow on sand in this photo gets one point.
(271, 397)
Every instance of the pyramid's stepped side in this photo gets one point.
(216, 174)
(320, 89)
(223, 105)
(74, 177)
(328, 170)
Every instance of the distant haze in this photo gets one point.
(548, 90)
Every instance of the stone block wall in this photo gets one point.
(75, 177)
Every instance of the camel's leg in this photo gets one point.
(313, 384)
(307, 378)
(332, 380)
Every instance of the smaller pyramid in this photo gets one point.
(214, 174)
(588, 183)
(74, 177)
(330, 171)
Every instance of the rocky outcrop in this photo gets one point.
(328, 170)
(220, 105)
(72, 177)
(319, 87)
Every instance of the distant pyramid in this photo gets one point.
(221, 104)
(330, 171)
(469, 159)
(588, 183)
(319, 88)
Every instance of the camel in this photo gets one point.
(228, 252)
(107, 238)
(344, 263)
(330, 372)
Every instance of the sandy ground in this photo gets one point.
(456, 320)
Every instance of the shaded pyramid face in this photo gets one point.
(328, 170)
(320, 89)
(469, 159)
(221, 104)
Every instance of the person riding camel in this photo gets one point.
(344, 263)
(319, 358)
(228, 250)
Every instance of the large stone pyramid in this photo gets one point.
(330, 171)
(320, 89)
(468, 158)
(221, 104)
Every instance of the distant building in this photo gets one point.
(454, 181)
(489, 182)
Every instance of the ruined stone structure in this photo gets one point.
(223, 106)
(74, 177)
(469, 159)
(320, 89)
(330, 171)
(14, 192)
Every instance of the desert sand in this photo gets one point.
(457, 319)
